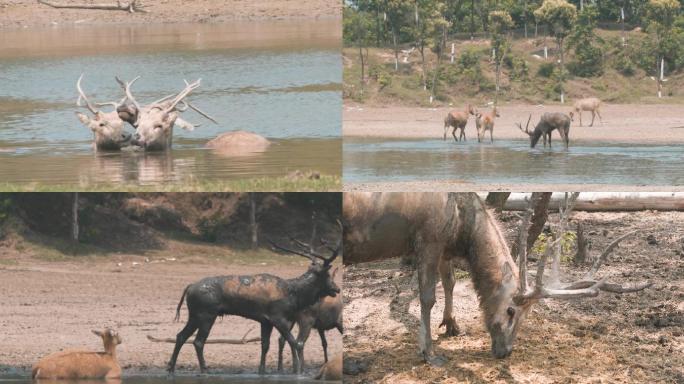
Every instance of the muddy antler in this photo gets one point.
(526, 130)
(587, 286)
(307, 249)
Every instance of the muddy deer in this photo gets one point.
(154, 122)
(591, 104)
(268, 299)
(323, 316)
(458, 120)
(485, 122)
(108, 127)
(440, 229)
(547, 124)
(82, 364)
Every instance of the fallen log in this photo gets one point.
(244, 340)
(129, 6)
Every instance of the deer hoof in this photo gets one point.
(451, 327)
(435, 360)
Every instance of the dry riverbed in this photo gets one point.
(629, 338)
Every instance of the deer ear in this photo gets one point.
(83, 118)
(506, 271)
(98, 333)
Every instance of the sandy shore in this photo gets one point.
(624, 123)
(460, 186)
(29, 13)
(48, 306)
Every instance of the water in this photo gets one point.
(178, 379)
(281, 80)
(511, 162)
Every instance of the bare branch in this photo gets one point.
(244, 340)
(132, 6)
(601, 259)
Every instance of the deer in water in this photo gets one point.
(591, 104)
(458, 120)
(154, 122)
(108, 127)
(546, 125)
(439, 229)
(485, 122)
(323, 316)
(268, 299)
(82, 364)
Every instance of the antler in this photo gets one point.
(126, 86)
(81, 95)
(588, 286)
(183, 94)
(307, 249)
(527, 131)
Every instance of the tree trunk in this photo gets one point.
(497, 200)
(539, 217)
(525, 16)
(472, 20)
(74, 219)
(434, 76)
(363, 75)
(582, 246)
(562, 70)
(396, 49)
(253, 225)
(422, 58)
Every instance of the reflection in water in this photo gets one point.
(510, 162)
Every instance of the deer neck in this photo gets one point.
(305, 289)
(110, 349)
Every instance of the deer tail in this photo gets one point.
(180, 304)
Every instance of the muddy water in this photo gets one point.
(178, 379)
(278, 79)
(367, 160)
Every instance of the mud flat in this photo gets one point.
(629, 338)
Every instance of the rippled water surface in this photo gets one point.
(278, 79)
(370, 160)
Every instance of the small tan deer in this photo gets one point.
(332, 370)
(591, 104)
(82, 364)
(458, 120)
(485, 122)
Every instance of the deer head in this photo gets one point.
(108, 127)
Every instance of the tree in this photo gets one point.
(661, 15)
(588, 57)
(500, 22)
(559, 16)
(441, 26)
(427, 29)
(357, 30)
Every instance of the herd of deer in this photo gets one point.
(484, 121)
(312, 301)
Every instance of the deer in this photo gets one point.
(440, 229)
(107, 127)
(331, 370)
(323, 316)
(458, 120)
(154, 122)
(547, 123)
(591, 104)
(82, 364)
(270, 300)
(485, 122)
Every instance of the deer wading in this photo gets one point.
(438, 229)
(268, 299)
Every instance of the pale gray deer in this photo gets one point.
(439, 229)
(485, 122)
(547, 124)
(458, 120)
(591, 104)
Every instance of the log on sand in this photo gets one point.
(129, 6)
(244, 340)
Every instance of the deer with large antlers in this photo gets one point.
(547, 124)
(458, 120)
(439, 229)
(268, 299)
(591, 104)
(485, 122)
(107, 127)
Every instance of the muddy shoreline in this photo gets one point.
(459, 186)
(30, 14)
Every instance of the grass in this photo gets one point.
(267, 184)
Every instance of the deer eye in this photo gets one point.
(510, 311)
(158, 126)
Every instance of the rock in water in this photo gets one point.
(239, 143)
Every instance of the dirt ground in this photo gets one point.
(461, 186)
(629, 338)
(29, 13)
(51, 305)
(622, 123)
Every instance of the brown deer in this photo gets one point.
(268, 299)
(547, 124)
(107, 127)
(458, 120)
(82, 364)
(591, 104)
(439, 229)
(331, 370)
(485, 122)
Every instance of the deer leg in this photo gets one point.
(463, 133)
(580, 117)
(427, 281)
(266, 329)
(446, 272)
(453, 133)
(324, 344)
(205, 324)
(491, 135)
(593, 116)
(297, 348)
(181, 338)
(302, 337)
(599, 115)
(281, 346)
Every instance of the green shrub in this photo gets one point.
(546, 70)
(624, 64)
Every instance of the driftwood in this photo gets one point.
(609, 201)
(244, 340)
(129, 6)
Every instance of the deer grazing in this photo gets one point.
(82, 364)
(108, 127)
(440, 229)
(547, 124)
(485, 122)
(323, 316)
(268, 299)
(591, 104)
(458, 120)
